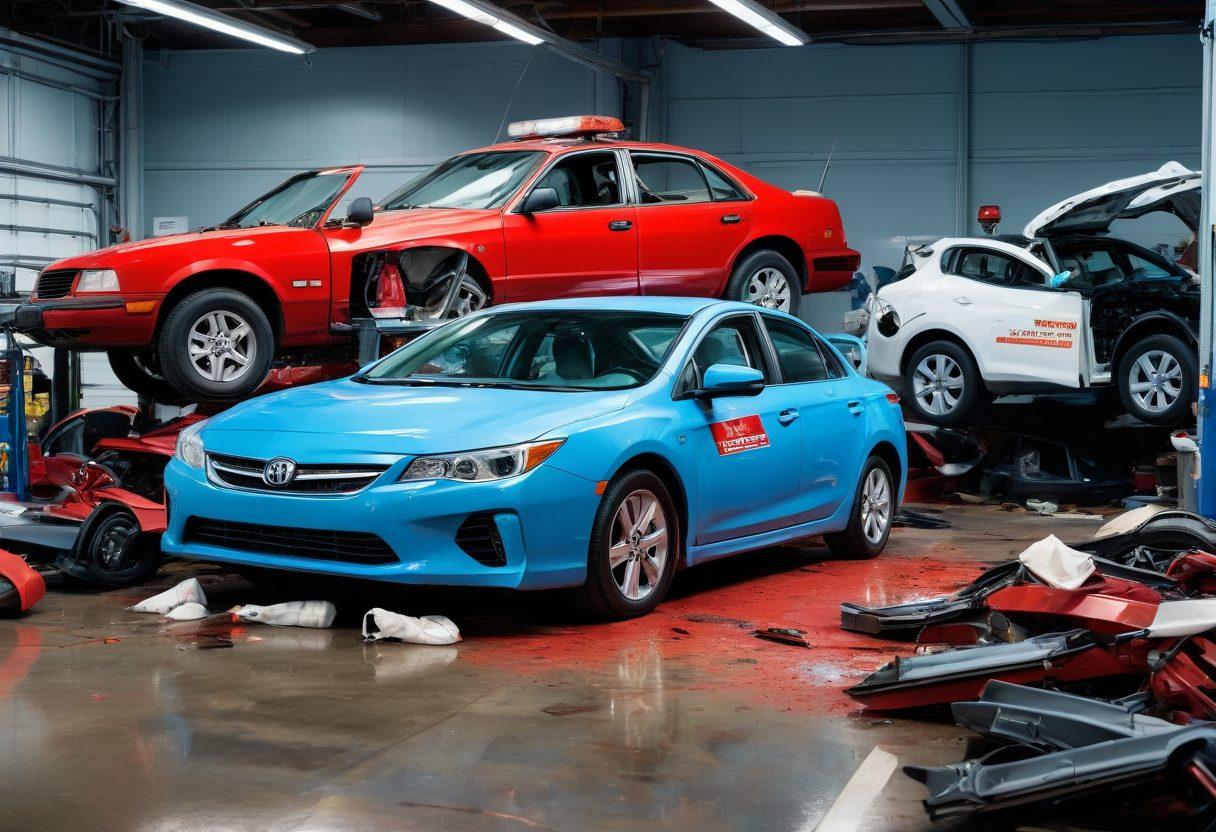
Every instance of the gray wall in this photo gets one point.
(222, 127)
(1040, 122)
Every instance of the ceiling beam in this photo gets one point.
(360, 10)
(949, 13)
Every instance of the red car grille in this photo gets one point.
(54, 284)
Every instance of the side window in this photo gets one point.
(734, 341)
(663, 179)
(797, 351)
(1143, 269)
(993, 267)
(585, 180)
(720, 188)
(1090, 267)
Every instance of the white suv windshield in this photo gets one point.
(475, 180)
(543, 350)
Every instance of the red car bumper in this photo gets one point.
(99, 322)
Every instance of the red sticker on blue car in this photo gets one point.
(737, 435)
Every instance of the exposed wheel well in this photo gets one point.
(1140, 330)
(887, 453)
(244, 282)
(786, 247)
(664, 471)
(926, 337)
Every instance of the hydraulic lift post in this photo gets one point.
(1207, 275)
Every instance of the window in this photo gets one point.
(1144, 269)
(298, 202)
(474, 180)
(584, 180)
(798, 354)
(733, 341)
(1090, 267)
(994, 267)
(664, 179)
(720, 187)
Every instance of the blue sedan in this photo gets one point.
(596, 444)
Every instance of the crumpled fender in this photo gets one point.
(20, 585)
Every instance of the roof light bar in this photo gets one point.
(771, 24)
(222, 23)
(565, 126)
(480, 13)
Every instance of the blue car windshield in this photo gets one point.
(544, 350)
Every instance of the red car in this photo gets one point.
(562, 211)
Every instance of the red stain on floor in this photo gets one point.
(704, 650)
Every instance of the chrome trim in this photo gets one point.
(255, 467)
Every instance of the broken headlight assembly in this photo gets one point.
(190, 446)
(481, 466)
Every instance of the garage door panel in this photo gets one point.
(896, 124)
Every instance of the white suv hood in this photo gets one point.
(1094, 210)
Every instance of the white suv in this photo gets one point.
(1061, 307)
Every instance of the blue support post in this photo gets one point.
(1207, 272)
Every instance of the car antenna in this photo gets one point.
(506, 111)
(828, 163)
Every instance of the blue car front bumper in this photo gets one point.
(543, 519)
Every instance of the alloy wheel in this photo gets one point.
(1155, 381)
(875, 506)
(469, 298)
(222, 346)
(114, 546)
(937, 384)
(640, 546)
(769, 288)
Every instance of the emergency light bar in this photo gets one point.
(566, 126)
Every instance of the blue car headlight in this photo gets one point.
(190, 446)
(483, 465)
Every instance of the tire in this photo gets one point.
(138, 371)
(117, 553)
(602, 596)
(1153, 397)
(759, 279)
(216, 313)
(860, 541)
(959, 378)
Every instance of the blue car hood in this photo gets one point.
(321, 421)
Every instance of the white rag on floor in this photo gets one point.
(187, 612)
(429, 629)
(1056, 564)
(187, 592)
(318, 614)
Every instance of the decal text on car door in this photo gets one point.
(736, 435)
(1046, 333)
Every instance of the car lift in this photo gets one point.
(1207, 272)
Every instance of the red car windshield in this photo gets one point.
(300, 202)
(474, 180)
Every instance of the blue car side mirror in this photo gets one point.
(729, 380)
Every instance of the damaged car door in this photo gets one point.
(1028, 331)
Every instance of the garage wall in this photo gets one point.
(221, 127)
(927, 133)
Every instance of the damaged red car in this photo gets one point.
(562, 211)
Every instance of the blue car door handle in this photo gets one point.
(787, 417)
(854, 407)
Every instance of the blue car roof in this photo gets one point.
(631, 303)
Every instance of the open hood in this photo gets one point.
(1093, 211)
(1179, 198)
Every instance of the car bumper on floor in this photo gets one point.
(103, 321)
(527, 532)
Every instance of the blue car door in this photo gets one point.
(832, 415)
(748, 448)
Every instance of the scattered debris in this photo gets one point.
(187, 612)
(429, 629)
(563, 709)
(1044, 508)
(920, 519)
(783, 635)
(189, 591)
(21, 586)
(316, 614)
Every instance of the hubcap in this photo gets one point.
(639, 545)
(113, 547)
(1155, 381)
(875, 506)
(769, 288)
(937, 384)
(222, 346)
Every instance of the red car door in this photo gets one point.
(691, 221)
(587, 245)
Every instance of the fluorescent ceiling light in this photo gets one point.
(217, 22)
(771, 24)
(482, 15)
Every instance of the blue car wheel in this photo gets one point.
(634, 548)
(870, 520)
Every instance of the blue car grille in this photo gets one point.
(318, 544)
(245, 473)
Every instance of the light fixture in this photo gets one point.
(771, 24)
(217, 22)
(487, 15)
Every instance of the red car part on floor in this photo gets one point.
(20, 586)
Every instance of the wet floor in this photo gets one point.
(111, 720)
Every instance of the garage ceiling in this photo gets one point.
(377, 22)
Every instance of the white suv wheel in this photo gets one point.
(938, 384)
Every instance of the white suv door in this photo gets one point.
(1026, 332)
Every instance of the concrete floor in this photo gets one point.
(110, 720)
